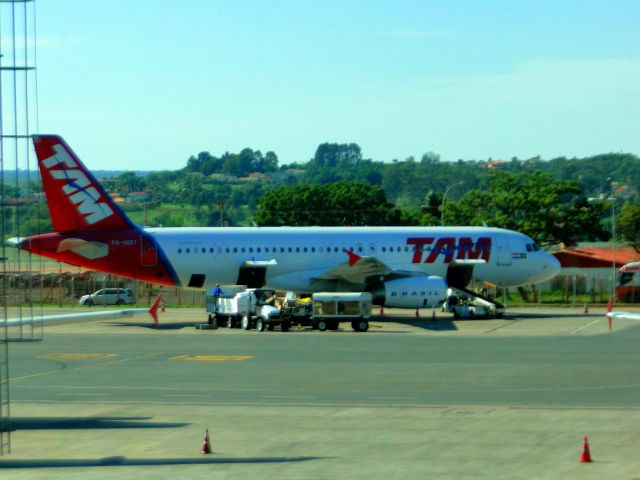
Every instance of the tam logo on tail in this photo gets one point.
(78, 187)
(76, 200)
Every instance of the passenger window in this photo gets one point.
(204, 250)
(211, 250)
(242, 249)
(281, 249)
(235, 249)
(536, 247)
(290, 249)
(179, 250)
(188, 250)
(250, 249)
(313, 249)
(384, 249)
(529, 247)
(298, 249)
(304, 249)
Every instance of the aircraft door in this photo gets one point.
(503, 250)
(148, 252)
(252, 277)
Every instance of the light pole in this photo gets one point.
(444, 197)
(614, 270)
(613, 239)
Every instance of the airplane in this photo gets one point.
(403, 267)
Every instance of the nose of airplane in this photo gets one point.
(550, 266)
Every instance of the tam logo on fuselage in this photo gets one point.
(78, 187)
(464, 249)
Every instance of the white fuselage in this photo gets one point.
(295, 256)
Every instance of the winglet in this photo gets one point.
(153, 311)
(353, 258)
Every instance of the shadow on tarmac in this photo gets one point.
(529, 315)
(151, 326)
(134, 462)
(441, 323)
(71, 423)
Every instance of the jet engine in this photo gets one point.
(411, 292)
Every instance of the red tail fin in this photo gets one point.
(76, 200)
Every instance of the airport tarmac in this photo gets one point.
(411, 398)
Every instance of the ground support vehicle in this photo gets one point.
(466, 304)
(265, 311)
(325, 311)
(245, 309)
(329, 309)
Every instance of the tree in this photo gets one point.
(130, 182)
(548, 211)
(431, 210)
(336, 204)
(334, 154)
(629, 224)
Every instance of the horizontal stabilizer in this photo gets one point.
(15, 242)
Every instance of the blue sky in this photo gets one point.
(142, 85)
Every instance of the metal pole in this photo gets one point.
(613, 239)
(444, 198)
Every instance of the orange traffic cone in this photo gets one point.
(206, 443)
(586, 308)
(586, 455)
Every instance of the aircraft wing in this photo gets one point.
(624, 315)
(103, 314)
(89, 315)
(360, 270)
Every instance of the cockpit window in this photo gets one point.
(532, 247)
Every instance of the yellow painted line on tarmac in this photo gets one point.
(76, 356)
(211, 358)
(83, 367)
